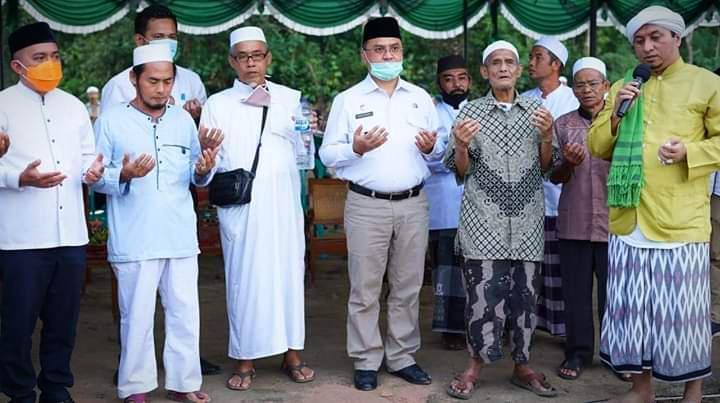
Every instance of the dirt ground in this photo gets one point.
(95, 355)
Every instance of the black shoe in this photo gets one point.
(208, 368)
(365, 380)
(413, 374)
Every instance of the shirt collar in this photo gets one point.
(673, 68)
(150, 118)
(583, 113)
(242, 89)
(31, 92)
(491, 102)
(369, 85)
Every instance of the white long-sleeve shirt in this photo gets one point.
(150, 217)
(55, 129)
(396, 165)
(119, 89)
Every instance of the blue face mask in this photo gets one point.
(386, 71)
(171, 43)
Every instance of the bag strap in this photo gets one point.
(257, 150)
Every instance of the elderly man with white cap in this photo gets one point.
(583, 215)
(547, 60)
(93, 103)
(501, 145)
(662, 152)
(154, 155)
(263, 239)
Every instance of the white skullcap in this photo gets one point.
(656, 15)
(554, 46)
(92, 90)
(246, 34)
(157, 52)
(499, 45)
(589, 63)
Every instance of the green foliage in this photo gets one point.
(323, 66)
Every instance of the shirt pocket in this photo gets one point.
(176, 158)
(677, 209)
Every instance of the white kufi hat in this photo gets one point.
(152, 53)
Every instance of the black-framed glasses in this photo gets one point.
(254, 56)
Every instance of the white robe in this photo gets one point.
(263, 242)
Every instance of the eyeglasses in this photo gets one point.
(593, 85)
(381, 50)
(246, 57)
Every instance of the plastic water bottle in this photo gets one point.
(305, 143)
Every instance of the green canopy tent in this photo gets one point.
(432, 19)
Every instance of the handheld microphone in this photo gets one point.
(640, 75)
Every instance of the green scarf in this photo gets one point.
(626, 179)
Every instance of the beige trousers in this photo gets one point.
(715, 258)
(385, 236)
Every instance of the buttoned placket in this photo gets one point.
(55, 156)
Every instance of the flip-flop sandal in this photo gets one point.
(294, 372)
(243, 375)
(137, 398)
(459, 394)
(183, 397)
(526, 383)
(571, 364)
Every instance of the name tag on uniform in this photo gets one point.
(363, 115)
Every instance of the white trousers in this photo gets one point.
(138, 285)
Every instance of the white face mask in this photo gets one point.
(385, 71)
(171, 43)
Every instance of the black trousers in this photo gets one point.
(579, 260)
(44, 284)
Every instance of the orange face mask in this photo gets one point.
(44, 77)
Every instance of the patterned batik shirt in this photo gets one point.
(502, 212)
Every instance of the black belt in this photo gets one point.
(405, 194)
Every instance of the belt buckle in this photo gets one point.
(410, 193)
(390, 196)
(372, 194)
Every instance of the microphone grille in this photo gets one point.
(642, 71)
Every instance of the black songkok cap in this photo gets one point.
(450, 62)
(383, 27)
(28, 35)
